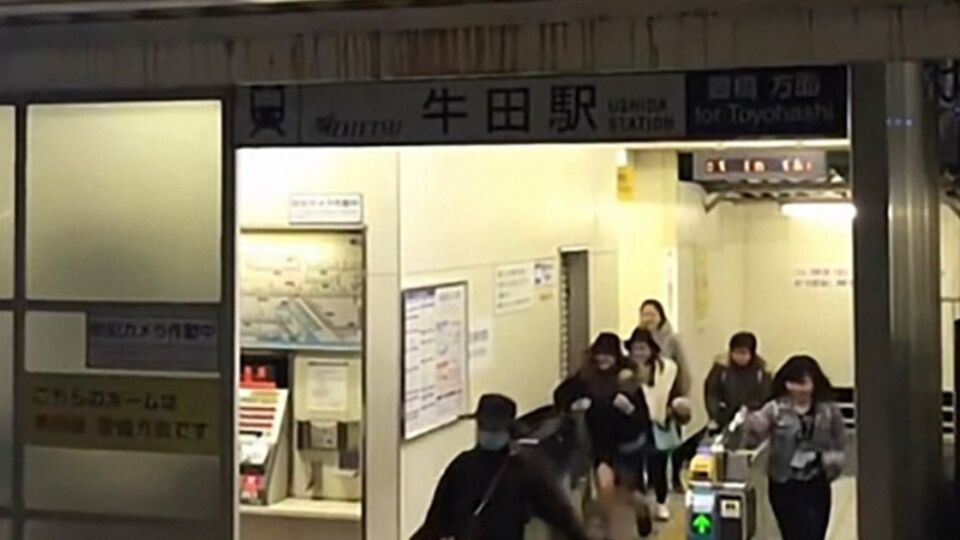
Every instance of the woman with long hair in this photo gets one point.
(807, 447)
(654, 319)
(659, 385)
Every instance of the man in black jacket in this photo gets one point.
(491, 492)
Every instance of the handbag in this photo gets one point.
(666, 438)
(473, 527)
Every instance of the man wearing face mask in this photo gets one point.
(490, 492)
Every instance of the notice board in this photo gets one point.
(106, 412)
(435, 380)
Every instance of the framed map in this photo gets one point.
(301, 290)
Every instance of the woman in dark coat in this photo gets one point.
(617, 421)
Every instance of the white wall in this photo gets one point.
(751, 254)
(465, 211)
(790, 319)
(712, 286)
(647, 229)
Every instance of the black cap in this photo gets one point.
(607, 343)
(495, 412)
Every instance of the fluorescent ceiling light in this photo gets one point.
(820, 211)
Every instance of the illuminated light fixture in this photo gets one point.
(820, 211)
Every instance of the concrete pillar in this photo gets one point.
(897, 295)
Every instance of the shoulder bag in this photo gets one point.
(473, 531)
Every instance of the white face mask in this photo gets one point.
(493, 440)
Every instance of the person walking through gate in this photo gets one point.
(807, 447)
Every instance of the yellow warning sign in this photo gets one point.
(108, 412)
(626, 184)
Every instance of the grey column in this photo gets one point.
(897, 295)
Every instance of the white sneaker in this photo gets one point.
(663, 513)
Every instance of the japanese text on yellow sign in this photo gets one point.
(164, 415)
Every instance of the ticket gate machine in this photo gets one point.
(727, 495)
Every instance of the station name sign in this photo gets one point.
(769, 103)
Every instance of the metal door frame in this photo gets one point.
(17, 513)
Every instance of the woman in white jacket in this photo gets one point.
(658, 378)
(654, 318)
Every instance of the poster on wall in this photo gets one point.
(159, 415)
(481, 344)
(513, 287)
(671, 272)
(701, 269)
(434, 359)
(545, 279)
(301, 290)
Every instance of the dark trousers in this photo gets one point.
(655, 465)
(802, 509)
(684, 454)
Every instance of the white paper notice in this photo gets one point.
(545, 279)
(545, 273)
(325, 208)
(481, 344)
(513, 288)
(822, 277)
(328, 387)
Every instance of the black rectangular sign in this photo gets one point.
(774, 102)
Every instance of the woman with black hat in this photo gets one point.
(616, 418)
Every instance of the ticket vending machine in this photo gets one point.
(327, 414)
(264, 429)
(301, 333)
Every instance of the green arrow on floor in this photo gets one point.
(702, 524)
